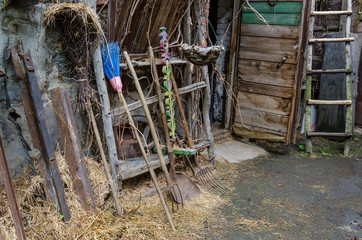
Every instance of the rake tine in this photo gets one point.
(216, 181)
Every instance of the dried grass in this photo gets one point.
(142, 220)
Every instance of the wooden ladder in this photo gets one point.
(347, 70)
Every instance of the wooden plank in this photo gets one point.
(278, 1)
(329, 134)
(259, 30)
(258, 71)
(265, 89)
(265, 103)
(292, 19)
(279, 7)
(331, 40)
(263, 120)
(268, 49)
(256, 133)
(149, 100)
(329, 102)
(129, 169)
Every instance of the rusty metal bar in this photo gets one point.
(46, 148)
(19, 228)
(69, 139)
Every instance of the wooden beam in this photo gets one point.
(150, 100)
(325, 13)
(319, 40)
(329, 134)
(329, 102)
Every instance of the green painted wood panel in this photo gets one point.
(292, 19)
(280, 7)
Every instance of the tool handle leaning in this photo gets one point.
(148, 163)
(148, 116)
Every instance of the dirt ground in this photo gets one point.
(290, 195)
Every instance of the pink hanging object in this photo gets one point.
(117, 84)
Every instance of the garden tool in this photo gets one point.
(111, 66)
(179, 193)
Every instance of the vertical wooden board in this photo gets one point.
(262, 72)
(265, 89)
(260, 30)
(292, 19)
(264, 120)
(264, 103)
(279, 7)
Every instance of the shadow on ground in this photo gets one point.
(294, 196)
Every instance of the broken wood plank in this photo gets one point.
(45, 140)
(268, 49)
(264, 103)
(71, 144)
(10, 193)
(259, 30)
(265, 89)
(150, 100)
(263, 72)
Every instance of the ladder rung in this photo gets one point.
(315, 40)
(342, 70)
(329, 134)
(323, 13)
(329, 102)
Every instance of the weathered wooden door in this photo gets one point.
(267, 69)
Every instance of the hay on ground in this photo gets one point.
(142, 219)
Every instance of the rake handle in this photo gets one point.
(148, 163)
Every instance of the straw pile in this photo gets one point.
(142, 220)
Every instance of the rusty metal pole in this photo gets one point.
(19, 228)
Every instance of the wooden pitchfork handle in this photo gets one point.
(148, 163)
(149, 119)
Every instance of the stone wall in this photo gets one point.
(26, 24)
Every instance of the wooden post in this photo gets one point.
(233, 65)
(106, 109)
(308, 91)
(187, 72)
(207, 94)
(349, 114)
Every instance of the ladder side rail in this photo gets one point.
(308, 91)
(348, 128)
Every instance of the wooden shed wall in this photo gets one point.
(265, 86)
(139, 15)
